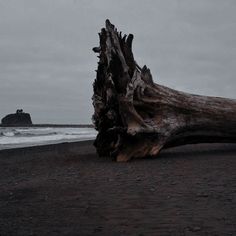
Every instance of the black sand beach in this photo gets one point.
(66, 189)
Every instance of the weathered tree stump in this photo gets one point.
(137, 118)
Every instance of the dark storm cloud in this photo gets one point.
(47, 66)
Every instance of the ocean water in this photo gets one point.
(12, 137)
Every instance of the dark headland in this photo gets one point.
(66, 189)
(19, 118)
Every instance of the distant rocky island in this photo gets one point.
(18, 118)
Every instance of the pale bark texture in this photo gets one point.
(136, 117)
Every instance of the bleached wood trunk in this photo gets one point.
(137, 118)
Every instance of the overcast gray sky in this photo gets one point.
(47, 66)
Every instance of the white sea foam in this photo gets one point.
(8, 134)
(36, 129)
(11, 137)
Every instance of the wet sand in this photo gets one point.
(66, 189)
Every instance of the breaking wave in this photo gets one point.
(15, 137)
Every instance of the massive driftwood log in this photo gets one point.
(137, 118)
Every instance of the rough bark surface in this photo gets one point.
(136, 117)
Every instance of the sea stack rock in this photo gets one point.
(19, 118)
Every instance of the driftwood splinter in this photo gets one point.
(136, 117)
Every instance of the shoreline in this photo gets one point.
(33, 136)
(54, 149)
(50, 125)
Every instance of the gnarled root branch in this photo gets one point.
(137, 118)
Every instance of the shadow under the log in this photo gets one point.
(199, 150)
